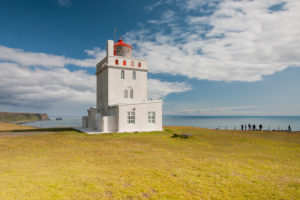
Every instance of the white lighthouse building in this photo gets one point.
(122, 102)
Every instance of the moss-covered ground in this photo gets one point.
(210, 164)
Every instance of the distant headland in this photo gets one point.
(13, 117)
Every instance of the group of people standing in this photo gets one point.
(253, 127)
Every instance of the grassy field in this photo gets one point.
(9, 127)
(211, 164)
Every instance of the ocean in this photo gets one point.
(211, 122)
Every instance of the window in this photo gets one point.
(124, 62)
(117, 62)
(140, 64)
(130, 117)
(131, 93)
(134, 75)
(125, 93)
(151, 117)
(132, 64)
(122, 74)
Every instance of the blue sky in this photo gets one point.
(205, 57)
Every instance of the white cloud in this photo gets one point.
(237, 41)
(65, 3)
(205, 6)
(167, 17)
(159, 89)
(48, 60)
(157, 4)
(57, 90)
(34, 87)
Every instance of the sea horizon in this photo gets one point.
(230, 122)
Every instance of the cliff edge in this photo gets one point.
(22, 117)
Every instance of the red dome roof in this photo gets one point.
(121, 43)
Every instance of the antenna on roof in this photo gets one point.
(115, 34)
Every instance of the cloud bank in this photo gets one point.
(221, 40)
(40, 81)
(24, 58)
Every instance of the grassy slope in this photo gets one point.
(9, 127)
(21, 117)
(209, 165)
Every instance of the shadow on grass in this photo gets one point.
(45, 130)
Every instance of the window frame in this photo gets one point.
(134, 75)
(151, 117)
(122, 74)
(130, 117)
(126, 94)
(131, 93)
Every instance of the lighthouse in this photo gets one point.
(122, 103)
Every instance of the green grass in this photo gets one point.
(14, 127)
(21, 117)
(211, 164)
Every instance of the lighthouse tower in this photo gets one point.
(122, 103)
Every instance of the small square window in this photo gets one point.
(133, 75)
(122, 74)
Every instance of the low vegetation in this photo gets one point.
(10, 127)
(21, 117)
(208, 164)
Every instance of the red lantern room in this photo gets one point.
(122, 49)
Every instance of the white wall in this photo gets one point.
(110, 86)
(84, 121)
(117, 85)
(141, 117)
(110, 48)
(102, 88)
(110, 123)
(91, 118)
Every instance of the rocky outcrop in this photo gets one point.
(22, 117)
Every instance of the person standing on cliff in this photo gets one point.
(260, 127)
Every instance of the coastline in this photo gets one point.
(24, 122)
(217, 122)
(21, 118)
(9, 126)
